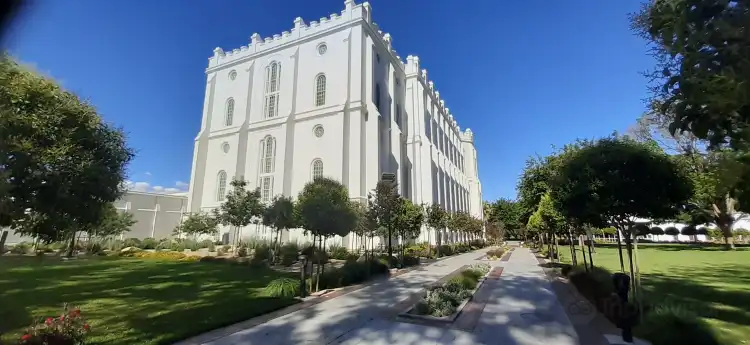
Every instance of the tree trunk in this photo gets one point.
(726, 231)
(3, 238)
(591, 257)
(72, 245)
(619, 250)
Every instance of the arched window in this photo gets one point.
(230, 112)
(320, 90)
(221, 186)
(273, 83)
(317, 168)
(267, 166)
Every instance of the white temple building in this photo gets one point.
(329, 98)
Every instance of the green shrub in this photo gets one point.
(164, 244)
(496, 252)
(132, 242)
(282, 287)
(410, 260)
(148, 243)
(471, 274)
(446, 250)
(466, 282)
(21, 248)
(378, 266)
(390, 261)
(191, 244)
(667, 326)
(207, 244)
(338, 252)
(94, 248)
(262, 253)
(481, 267)
(242, 252)
(289, 254)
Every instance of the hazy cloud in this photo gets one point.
(146, 187)
(182, 185)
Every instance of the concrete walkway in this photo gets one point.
(521, 309)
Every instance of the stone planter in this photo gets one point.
(444, 319)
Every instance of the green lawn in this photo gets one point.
(707, 280)
(133, 301)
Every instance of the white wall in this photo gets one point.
(156, 215)
(361, 140)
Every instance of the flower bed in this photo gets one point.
(444, 302)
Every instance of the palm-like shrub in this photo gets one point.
(282, 287)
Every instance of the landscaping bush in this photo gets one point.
(132, 242)
(466, 282)
(495, 253)
(94, 248)
(21, 248)
(667, 326)
(70, 328)
(175, 256)
(289, 254)
(206, 244)
(242, 252)
(282, 287)
(378, 266)
(262, 253)
(164, 244)
(389, 261)
(410, 260)
(338, 252)
(446, 250)
(472, 274)
(481, 267)
(148, 243)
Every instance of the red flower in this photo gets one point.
(86, 326)
(49, 321)
(26, 337)
(62, 317)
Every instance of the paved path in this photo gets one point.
(521, 309)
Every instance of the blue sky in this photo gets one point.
(524, 76)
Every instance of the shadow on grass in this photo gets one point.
(134, 301)
(701, 246)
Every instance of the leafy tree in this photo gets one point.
(383, 206)
(197, 224)
(60, 160)
(112, 223)
(366, 224)
(239, 208)
(549, 222)
(509, 212)
(407, 222)
(702, 76)
(437, 219)
(279, 216)
(616, 180)
(495, 231)
(719, 176)
(325, 210)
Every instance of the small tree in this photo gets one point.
(366, 224)
(112, 224)
(383, 205)
(239, 208)
(279, 216)
(615, 181)
(197, 224)
(408, 222)
(437, 219)
(325, 210)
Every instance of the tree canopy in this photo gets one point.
(702, 76)
(61, 162)
(325, 209)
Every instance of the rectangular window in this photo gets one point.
(267, 189)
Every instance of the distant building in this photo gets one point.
(330, 98)
(156, 214)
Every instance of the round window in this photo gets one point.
(225, 147)
(318, 130)
(232, 75)
(322, 48)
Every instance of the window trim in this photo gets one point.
(271, 90)
(221, 185)
(320, 89)
(314, 166)
(229, 112)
